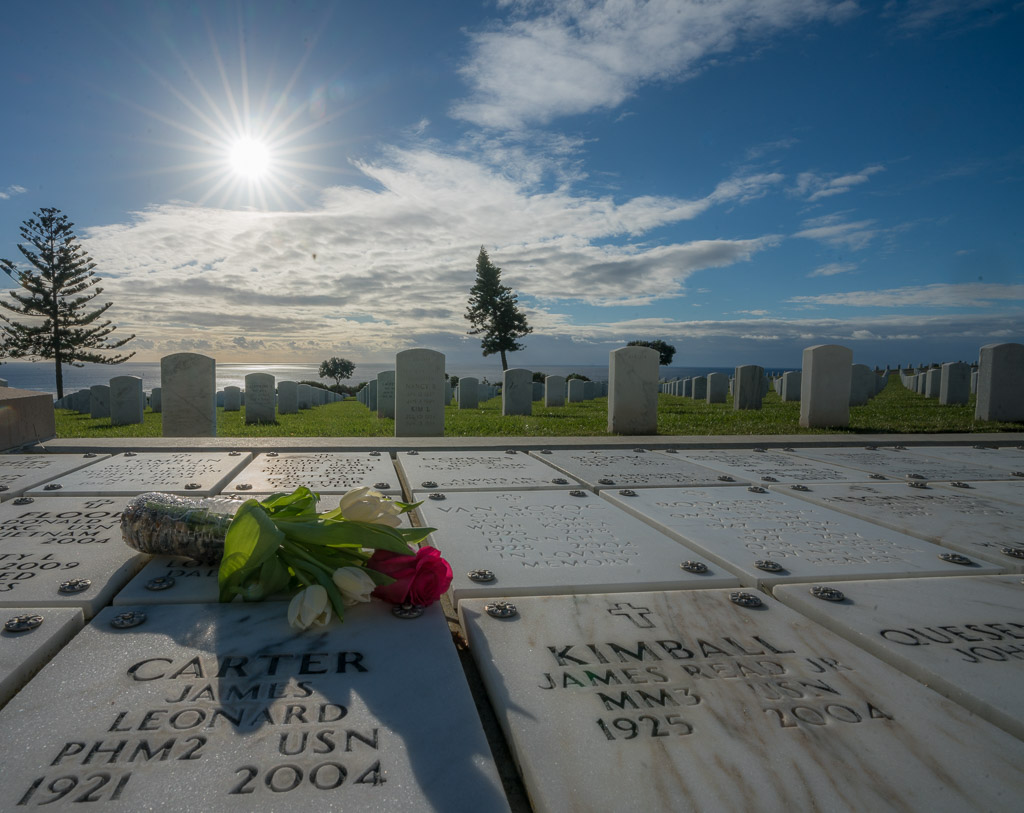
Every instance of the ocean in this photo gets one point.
(39, 375)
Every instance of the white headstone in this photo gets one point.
(232, 399)
(287, 397)
(469, 395)
(554, 391)
(687, 701)
(575, 390)
(304, 396)
(386, 394)
(517, 392)
(862, 384)
(419, 393)
(791, 386)
(127, 402)
(1000, 383)
(188, 383)
(955, 383)
(156, 399)
(699, 388)
(747, 388)
(933, 383)
(633, 391)
(99, 401)
(825, 386)
(260, 398)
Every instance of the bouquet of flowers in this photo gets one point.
(328, 560)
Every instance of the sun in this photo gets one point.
(249, 158)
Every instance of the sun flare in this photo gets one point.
(249, 158)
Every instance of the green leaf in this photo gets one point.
(274, 576)
(301, 502)
(346, 533)
(251, 539)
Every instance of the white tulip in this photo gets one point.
(366, 505)
(353, 583)
(310, 608)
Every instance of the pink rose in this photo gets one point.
(420, 579)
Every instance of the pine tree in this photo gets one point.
(493, 311)
(61, 326)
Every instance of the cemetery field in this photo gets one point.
(894, 410)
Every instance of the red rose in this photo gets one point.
(420, 579)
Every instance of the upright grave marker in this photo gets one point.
(469, 393)
(633, 391)
(517, 392)
(791, 386)
(260, 398)
(287, 398)
(747, 387)
(718, 388)
(825, 386)
(127, 403)
(99, 401)
(386, 394)
(1000, 383)
(955, 384)
(188, 383)
(554, 391)
(419, 393)
(232, 399)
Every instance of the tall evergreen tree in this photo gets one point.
(493, 311)
(61, 325)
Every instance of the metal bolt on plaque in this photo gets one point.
(799, 487)
(272, 454)
(243, 487)
(745, 599)
(24, 501)
(769, 479)
(545, 451)
(481, 576)
(1017, 473)
(627, 492)
(899, 448)
(374, 453)
(3, 487)
(511, 451)
(916, 477)
(234, 454)
(877, 476)
(768, 566)
(760, 449)
(428, 484)
(1016, 553)
(160, 583)
(639, 450)
(559, 481)
(871, 448)
(955, 559)
(126, 620)
(917, 484)
(577, 493)
(960, 484)
(74, 586)
(382, 484)
(23, 623)
(691, 566)
(788, 449)
(130, 454)
(501, 609)
(413, 452)
(827, 593)
(192, 486)
(89, 454)
(606, 481)
(52, 487)
(437, 495)
(758, 490)
(671, 451)
(407, 610)
(725, 478)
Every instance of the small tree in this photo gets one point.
(61, 326)
(493, 311)
(665, 351)
(337, 369)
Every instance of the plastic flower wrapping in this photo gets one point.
(327, 560)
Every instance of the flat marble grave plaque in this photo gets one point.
(625, 469)
(898, 464)
(957, 518)
(537, 543)
(197, 473)
(738, 528)
(225, 708)
(771, 467)
(1005, 490)
(22, 654)
(963, 637)
(1006, 458)
(19, 472)
(475, 471)
(322, 472)
(685, 701)
(52, 540)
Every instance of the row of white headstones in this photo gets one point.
(416, 391)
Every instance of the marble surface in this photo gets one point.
(900, 464)
(22, 654)
(226, 708)
(323, 472)
(1005, 490)
(956, 518)
(736, 528)
(20, 472)
(475, 471)
(133, 473)
(631, 469)
(552, 542)
(772, 466)
(685, 701)
(963, 637)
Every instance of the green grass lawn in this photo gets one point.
(894, 410)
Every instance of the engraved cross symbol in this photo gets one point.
(638, 615)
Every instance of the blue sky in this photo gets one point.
(741, 178)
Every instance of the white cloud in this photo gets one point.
(377, 270)
(588, 55)
(12, 190)
(938, 295)
(918, 15)
(813, 186)
(832, 269)
(834, 230)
